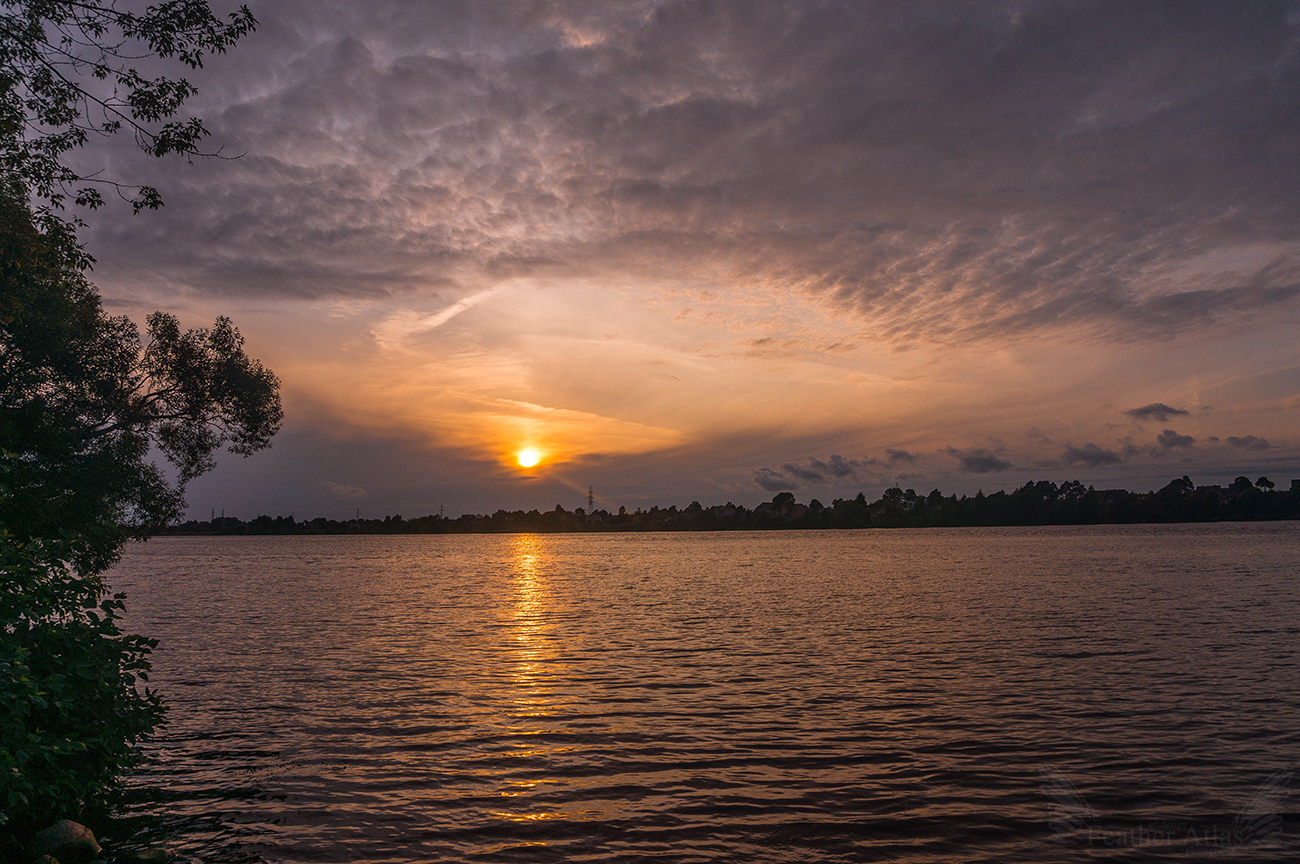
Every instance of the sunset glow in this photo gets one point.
(716, 251)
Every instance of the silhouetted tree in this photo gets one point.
(54, 54)
(83, 402)
(1241, 486)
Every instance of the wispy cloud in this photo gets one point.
(347, 493)
(395, 329)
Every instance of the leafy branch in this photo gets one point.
(54, 54)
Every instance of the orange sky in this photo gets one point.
(703, 251)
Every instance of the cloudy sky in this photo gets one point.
(714, 249)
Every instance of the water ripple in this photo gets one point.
(967, 695)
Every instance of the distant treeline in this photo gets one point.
(1036, 503)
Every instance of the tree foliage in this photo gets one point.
(70, 69)
(72, 711)
(84, 402)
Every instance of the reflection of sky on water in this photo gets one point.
(772, 697)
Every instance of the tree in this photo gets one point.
(68, 72)
(1241, 486)
(84, 402)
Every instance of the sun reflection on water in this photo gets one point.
(533, 649)
(536, 670)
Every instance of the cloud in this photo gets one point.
(1248, 442)
(819, 471)
(391, 332)
(953, 174)
(979, 461)
(838, 466)
(1048, 191)
(811, 475)
(1169, 439)
(774, 481)
(1158, 411)
(442, 317)
(1089, 454)
(347, 493)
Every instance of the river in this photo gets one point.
(936, 695)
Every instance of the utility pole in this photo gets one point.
(591, 499)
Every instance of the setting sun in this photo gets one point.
(529, 457)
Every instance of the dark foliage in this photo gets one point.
(82, 401)
(1036, 503)
(82, 404)
(71, 708)
(68, 72)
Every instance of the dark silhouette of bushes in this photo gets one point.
(1039, 502)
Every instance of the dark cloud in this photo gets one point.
(979, 461)
(1158, 411)
(820, 471)
(808, 474)
(1169, 439)
(1089, 454)
(949, 172)
(1249, 442)
(896, 456)
(837, 466)
(774, 481)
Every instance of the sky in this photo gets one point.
(716, 249)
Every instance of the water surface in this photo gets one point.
(1044, 694)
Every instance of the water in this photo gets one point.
(1011, 695)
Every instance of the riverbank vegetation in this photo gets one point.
(1036, 503)
(85, 402)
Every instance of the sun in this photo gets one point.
(528, 457)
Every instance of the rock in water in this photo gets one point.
(148, 856)
(65, 840)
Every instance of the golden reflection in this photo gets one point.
(534, 653)
(536, 676)
(538, 682)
